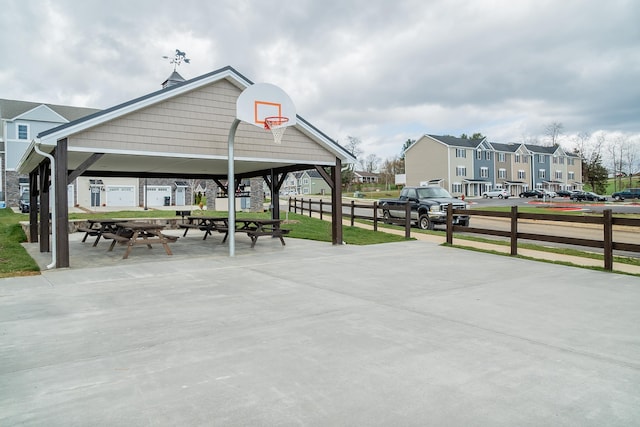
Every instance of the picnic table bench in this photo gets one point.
(254, 227)
(261, 227)
(99, 228)
(208, 224)
(139, 233)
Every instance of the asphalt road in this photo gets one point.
(623, 235)
(626, 207)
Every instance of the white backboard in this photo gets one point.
(264, 100)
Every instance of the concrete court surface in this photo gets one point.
(400, 334)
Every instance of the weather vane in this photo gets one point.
(178, 58)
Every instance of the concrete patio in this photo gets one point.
(312, 334)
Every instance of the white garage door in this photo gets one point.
(156, 194)
(121, 195)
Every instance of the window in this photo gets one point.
(461, 171)
(541, 158)
(484, 172)
(456, 187)
(502, 173)
(558, 175)
(501, 157)
(561, 160)
(487, 155)
(541, 174)
(479, 154)
(23, 131)
(305, 181)
(571, 175)
(517, 158)
(521, 174)
(555, 160)
(570, 161)
(461, 153)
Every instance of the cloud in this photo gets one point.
(383, 72)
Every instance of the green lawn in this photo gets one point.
(15, 261)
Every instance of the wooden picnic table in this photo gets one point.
(208, 224)
(135, 233)
(256, 227)
(98, 227)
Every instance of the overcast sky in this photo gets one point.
(381, 71)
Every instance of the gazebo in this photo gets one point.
(178, 132)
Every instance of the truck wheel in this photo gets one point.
(386, 216)
(464, 223)
(425, 223)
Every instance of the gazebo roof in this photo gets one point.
(182, 131)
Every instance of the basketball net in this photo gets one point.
(276, 125)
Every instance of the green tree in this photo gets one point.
(590, 151)
(476, 135)
(408, 143)
(597, 176)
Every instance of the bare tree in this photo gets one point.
(192, 188)
(630, 149)
(371, 163)
(353, 146)
(389, 169)
(553, 131)
(616, 152)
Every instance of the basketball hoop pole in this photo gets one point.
(231, 190)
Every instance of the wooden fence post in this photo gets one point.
(352, 211)
(407, 220)
(321, 208)
(310, 208)
(514, 230)
(607, 218)
(375, 216)
(450, 224)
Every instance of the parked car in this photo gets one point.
(500, 193)
(629, 193)
(590, 196)
(564, 193)
(578, 196)
(593, 197)
(532, 193)
(24, 202)
(549, 193)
